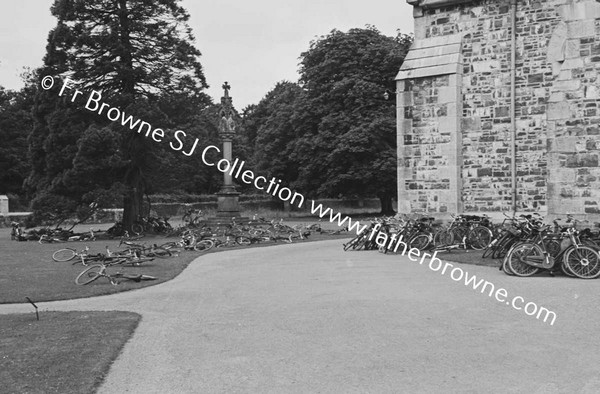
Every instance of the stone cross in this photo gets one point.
(226, 122)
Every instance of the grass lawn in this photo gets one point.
(469, 257)
(27, 269)
(63, 352)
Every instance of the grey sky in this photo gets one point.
(250, 44)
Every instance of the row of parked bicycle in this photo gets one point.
(465, 231)
(526, 244)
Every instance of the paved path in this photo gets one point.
(311, 318)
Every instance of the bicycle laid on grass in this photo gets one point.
(141, 250)
(68, 254)
(189, 241)
(193, 218)
(96, 271)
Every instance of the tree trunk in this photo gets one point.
(133, 199)
(386, 204)
(134, 145)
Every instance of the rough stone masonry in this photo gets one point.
(455, 116)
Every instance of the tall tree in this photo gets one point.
(15, 124)
(351, 149)
(137, 52)
(334, 134)
(270, 133)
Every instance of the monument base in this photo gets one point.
(228, 209)
(228, 204)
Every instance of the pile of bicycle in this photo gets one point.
(526, 245)
(197, 235)
(133, 254)
(201, 239)
(50, 235)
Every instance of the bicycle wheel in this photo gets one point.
(592, 244)
(169, 245)
(566, 270)
(65, 254)
(352, 243)
(243, 240)
(459, 234)
(506, 267)
(583, 262)
(420, 241)
(90, 274)
(503, 246)
(204, 245)
(157, 251)
(361, 243)
(479, 237)
(518, 255)
(137, 228)
(489, 250)
(257, 231)
(443, 237)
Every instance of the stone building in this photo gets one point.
(498, 106)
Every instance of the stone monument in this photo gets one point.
(228, 197)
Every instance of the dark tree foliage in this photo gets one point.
(189, 174)
(334, 135)
(15, 124)
(352, 149)
(270, 133)
(139, 54)
(129, 48)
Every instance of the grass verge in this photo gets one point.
(63, 352)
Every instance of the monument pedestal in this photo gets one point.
(228, 203)
(228, 209)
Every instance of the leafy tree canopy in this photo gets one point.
(140, 55)
(128, 47)
(15, 124)
(333, 134)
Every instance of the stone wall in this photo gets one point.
(557, 112)
(573, 117)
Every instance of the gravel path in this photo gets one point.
(311, 318)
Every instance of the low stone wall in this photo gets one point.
(8, 218)
(276, 208)
(338, 205)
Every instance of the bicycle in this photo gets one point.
(141, 250)
(49, 239)
(192, 217)
(189, 241)
(96, 271)
(473, 232)
(518, 229)
(68, 254)
(151, 224)
(529, 258)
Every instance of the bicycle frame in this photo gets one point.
(547, 261)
